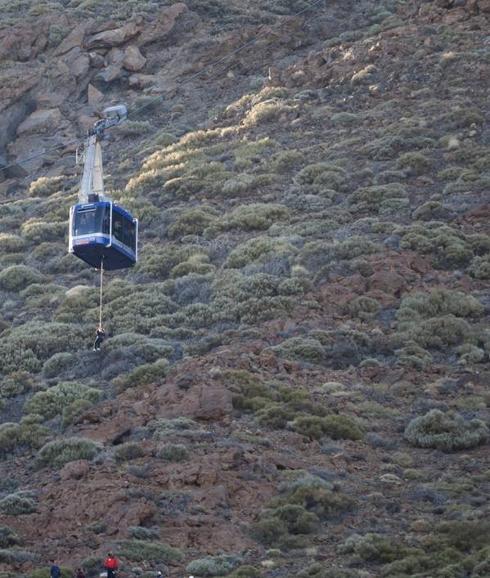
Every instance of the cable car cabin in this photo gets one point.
(103, 230)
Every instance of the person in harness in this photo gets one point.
(111, 565)
(55, 570)
(99, 337)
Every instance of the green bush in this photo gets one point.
(28, 433)
(258, 249)
(36, 232)
(27, 346)
(54, 400)
(72, 412)
(173, 453)
(16, 383)
(213, 565)
(437, 332)
(141, 551)
(445, 431)
(318, 570)
(341, 427)
(287, 161)
(163, 428)
(439, 302)
(374, 548)
(128, 451)
(245, 572)
(344, 118)
(449, 247)
(18, 277)
(142, 533)
(435, 319)
(57, 453)
(17, 504)
(302, 349)
(304, 502)
(255, 216)
(11, 243)
(148, 373)
(192, 222)
(363, 307)
(46, 186)
(480, 268)
(134, 128)
(8, 537)
(372, 198)
(58, 363)
(417, 162)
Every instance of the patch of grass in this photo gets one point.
(148, 373)
(173, 453)
(57, 453)
(36, 231)
(17, 504)
(28, 433)
(11, 243)
(304, 502)
(213, 565)
(416, 162)
(438, 302)
(374, 548)
(18, 277)
(256, 216)
(142, 533)
(128, 451)
(192, 222)
(258, 249)
(445, 431)
(8, 537)
(142, 550)
(134, 128)
(55, 399)
(27, 346)
(46, 186)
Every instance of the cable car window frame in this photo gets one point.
(127, 233)
(96, 225)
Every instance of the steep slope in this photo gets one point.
(294, 382)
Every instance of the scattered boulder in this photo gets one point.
(74, 38)
(75, 470)
(109, 73)
(141, 80)
(133, 59)
(163, 24)
(40, 121)
(111, 38)
(94, 96)
(78, 63)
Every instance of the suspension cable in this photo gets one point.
(101, 291)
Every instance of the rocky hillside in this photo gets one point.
(296, 378)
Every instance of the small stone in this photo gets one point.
(141, 80)
(390, 480)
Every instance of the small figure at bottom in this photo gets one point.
(99, 337)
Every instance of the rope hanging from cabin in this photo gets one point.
(101, 291)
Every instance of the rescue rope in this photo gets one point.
(101, 290)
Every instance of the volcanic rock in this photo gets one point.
(116, 37)
(133, 59)
(40, 121)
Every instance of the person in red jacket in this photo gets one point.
(111, 565)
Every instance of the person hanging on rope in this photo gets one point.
(99, 337)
